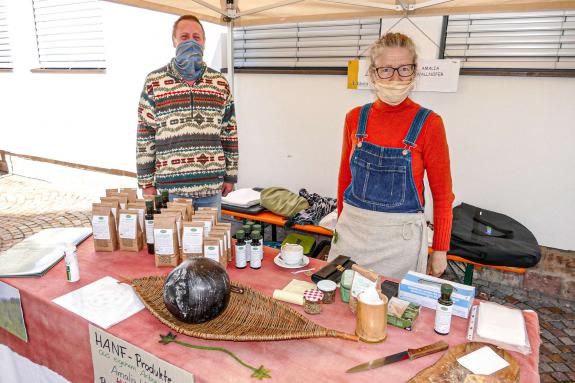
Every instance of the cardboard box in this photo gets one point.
(425, 290)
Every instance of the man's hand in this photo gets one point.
(437, 263)
(149, 191)
(226, 188)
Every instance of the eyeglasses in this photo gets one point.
(386, 72)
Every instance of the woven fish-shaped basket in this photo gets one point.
(249, 316)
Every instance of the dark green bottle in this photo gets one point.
(443, 310)
(149, 222)
(158, 203)
(165, 198)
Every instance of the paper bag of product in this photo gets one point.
(192, 239)
(189, 204)
(166, 246)
(363, 279)
(129, 231)
(212, 249)
(104, 228)
(115, 203)
(227, 227)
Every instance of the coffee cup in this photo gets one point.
(292, 254)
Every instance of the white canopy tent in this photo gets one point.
(260, 12)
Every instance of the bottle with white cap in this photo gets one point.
(71, 260)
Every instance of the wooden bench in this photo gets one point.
(277, 220)
(470, 266)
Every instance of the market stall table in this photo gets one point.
(59, 339)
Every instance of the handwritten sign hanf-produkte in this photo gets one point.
(117, 361)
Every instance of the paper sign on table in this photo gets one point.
(11, 315)
(104, 302)
(483, 361)
(116, 360)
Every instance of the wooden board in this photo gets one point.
(448, 370)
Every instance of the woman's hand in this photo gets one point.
(437, 263)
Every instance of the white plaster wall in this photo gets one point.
(85, 118)
(511, 139)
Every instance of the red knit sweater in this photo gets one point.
(387, 126)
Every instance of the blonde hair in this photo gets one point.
(391, 40)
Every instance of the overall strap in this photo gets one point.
(362, 124)
(416, 126)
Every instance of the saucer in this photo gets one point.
(278, 261)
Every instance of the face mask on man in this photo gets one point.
(188, 60)
(393, 92)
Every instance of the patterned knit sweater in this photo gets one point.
(187, 137)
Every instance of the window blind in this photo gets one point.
(5, 52)
(310, 44)
(534, 40)
(70, 34)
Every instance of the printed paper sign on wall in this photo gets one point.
(432, 75)
(357, 74)
(437, 76)
(115, 360)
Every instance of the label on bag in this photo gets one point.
(192, 240)
(164, 241)
(100, 227)
(127, 226)
(212, 252)
(360, 284)
(150, 231)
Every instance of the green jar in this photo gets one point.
(345, 285)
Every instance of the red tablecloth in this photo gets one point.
(59, 339)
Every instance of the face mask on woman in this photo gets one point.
(188, 60)
(393, 92)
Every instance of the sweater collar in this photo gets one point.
(382, 106)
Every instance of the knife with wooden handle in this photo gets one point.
(411, 354)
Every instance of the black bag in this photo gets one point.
(333, 270)
(492, 238)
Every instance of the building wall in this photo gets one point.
(511, 138)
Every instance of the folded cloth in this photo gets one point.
(318, 208)
(329, 221)
(242, 197)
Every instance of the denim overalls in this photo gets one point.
(382, 225)
(382, 178)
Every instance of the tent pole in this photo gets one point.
(230, 54)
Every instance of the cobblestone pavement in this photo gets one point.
(29, 205)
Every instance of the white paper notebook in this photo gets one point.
(501, 324)
(104, 302)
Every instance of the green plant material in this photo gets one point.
(259, 373)
(335, 237)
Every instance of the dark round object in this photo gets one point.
(197, 291)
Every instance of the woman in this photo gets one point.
(387, 147)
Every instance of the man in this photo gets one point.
(187, 138)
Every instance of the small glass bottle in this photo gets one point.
(71, 260)
(256, 251)
(240, 249)
(247, 232)
(149, 222)
(258, 227)
(165, 198)
(443, 310)
(158, 203)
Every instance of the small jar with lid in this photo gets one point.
(327, 287)
(312, 301)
